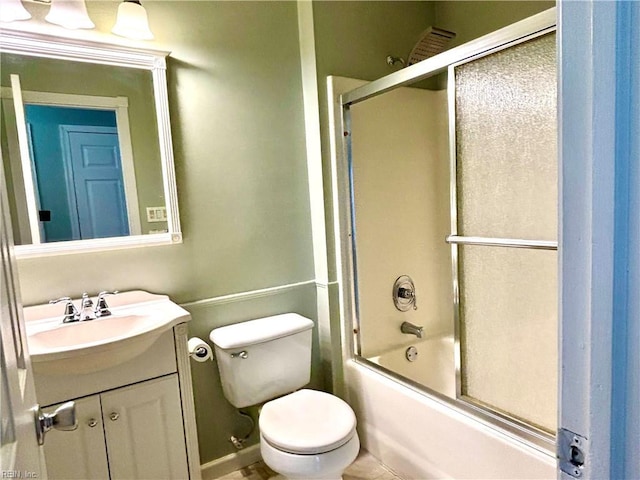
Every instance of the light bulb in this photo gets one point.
(69, 14)
(132, 21)
(12, 10)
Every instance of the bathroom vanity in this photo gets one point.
(131, 387)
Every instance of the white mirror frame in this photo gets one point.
(47, 46)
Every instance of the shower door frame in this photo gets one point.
(525, 30)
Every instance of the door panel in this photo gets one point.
(20, 455)
(80, 454)
(103, 210)
(144, 430)
(94, 155)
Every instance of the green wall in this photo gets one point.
(236, 119)
(472, 19)
(353, 40)
(238, 131)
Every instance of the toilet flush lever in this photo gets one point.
(243, 355)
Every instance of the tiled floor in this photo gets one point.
(366, 467)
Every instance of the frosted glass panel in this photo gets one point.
(506, 143)
(508, 306)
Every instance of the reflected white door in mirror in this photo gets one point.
(86, 145)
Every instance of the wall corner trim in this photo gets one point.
(309, 77)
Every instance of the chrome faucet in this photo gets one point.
(71, 313)
(102, 309)
(411, 329)
(86, 308)
(87, 311)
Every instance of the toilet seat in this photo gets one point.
(307, 422)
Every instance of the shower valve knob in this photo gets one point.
(405, 293)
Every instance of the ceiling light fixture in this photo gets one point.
(12, 10)
(69, 14)
(132, 21)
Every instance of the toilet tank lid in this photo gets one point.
(260, 330)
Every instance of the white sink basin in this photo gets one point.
(138, 319)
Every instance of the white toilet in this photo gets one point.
(306, 434)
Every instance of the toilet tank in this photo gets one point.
(264, 358)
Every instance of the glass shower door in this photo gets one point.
(400, 178)
(453, 183)
(505, 234)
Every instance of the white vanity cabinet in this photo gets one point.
(126, 433)
(133, 394)
(80, 454)
(143, 430)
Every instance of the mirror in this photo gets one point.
(86, 145)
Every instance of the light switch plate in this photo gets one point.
(156, 214)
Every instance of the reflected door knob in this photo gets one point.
(114, 416)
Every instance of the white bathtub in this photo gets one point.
(422, 438)
(434, 366)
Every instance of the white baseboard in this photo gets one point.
(230, 463)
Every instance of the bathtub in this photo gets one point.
(433, 367)
(421, 437)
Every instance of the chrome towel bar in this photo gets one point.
(502, 242)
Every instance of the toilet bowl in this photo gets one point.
(308, 435)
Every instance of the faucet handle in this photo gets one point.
(86, 301)
(71, 313)
(406, 293)
(102, 309)
(58, 300)
(104, 292)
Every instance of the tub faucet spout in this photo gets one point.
(411, 329)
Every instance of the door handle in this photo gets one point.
(63, 418)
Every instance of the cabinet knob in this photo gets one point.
(92, 422)
(114, 416)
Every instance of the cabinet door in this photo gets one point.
(144, 430)
(79, 454)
